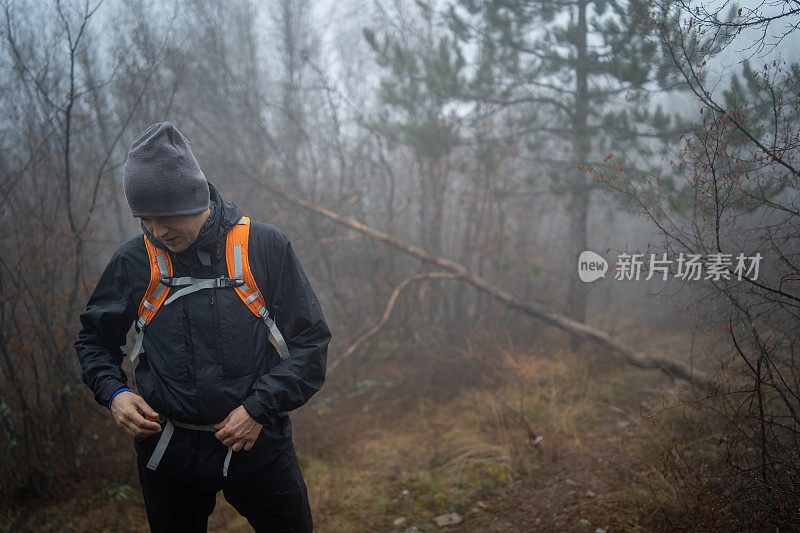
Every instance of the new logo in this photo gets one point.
(591, 266)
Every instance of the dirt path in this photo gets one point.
(464, 452)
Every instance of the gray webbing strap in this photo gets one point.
(184, 280)
(166, 436)
(274, 333)
(137, 346)
(237, 261)
(196, 285)
(237, 272)
(207, 427)
(162, 266)
(227, 462)
(161, 446)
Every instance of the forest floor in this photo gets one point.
(620, 450)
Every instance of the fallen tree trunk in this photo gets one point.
(630, 356)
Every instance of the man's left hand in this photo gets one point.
(238, 430)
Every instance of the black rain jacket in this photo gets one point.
(206, 353)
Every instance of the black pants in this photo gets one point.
(272, 497)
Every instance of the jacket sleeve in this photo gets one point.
(298, 315)
(105, 324)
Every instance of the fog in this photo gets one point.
(438, 166)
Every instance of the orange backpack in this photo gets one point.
(239, 277)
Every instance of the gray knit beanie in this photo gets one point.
(162, 177)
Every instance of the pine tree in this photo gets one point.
(581, 73)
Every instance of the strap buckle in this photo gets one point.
(223, 282)
(219, 282)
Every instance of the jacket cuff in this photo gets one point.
(256, 411)
(112, 396)
(106, 392)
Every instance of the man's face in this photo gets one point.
(177, 233)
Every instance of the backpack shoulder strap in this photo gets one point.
(238, 261)
(156, 293)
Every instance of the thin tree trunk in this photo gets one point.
(579, 204)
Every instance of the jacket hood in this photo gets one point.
(211, 238)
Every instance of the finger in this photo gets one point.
(221, 425)
(248, 446)
(223, 433)
(237, 446)
(151, 426)
(138, 431)
(142, 424)
(147, 433)
(145, 409)
(131, 430)
(136, 418)
(129, 420)
(131, 423)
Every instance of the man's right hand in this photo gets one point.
(133, 415)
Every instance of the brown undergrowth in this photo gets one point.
(416, 437)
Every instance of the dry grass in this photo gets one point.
(424, 446)
(446, 459)
(600, 437)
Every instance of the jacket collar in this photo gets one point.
(211, 238)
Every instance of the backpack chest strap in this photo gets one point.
(196, 284)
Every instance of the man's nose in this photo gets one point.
(160, 230)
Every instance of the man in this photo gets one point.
(215, 392)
